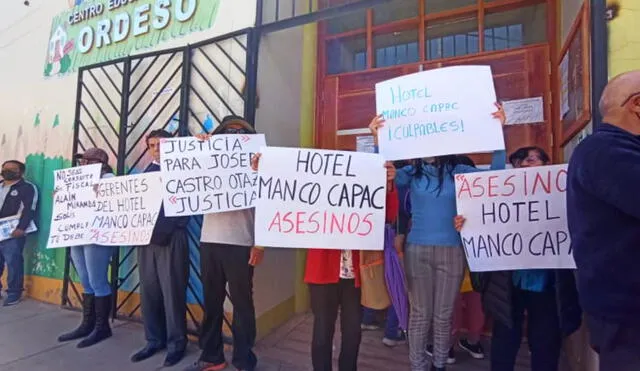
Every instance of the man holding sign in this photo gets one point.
(228, 255)
(541, 293)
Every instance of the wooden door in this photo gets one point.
(347, 102)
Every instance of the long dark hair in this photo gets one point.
(445, 165)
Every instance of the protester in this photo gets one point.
(228, 255)
(164, 275)
(434, 260)
(548, 297)
(334, 282)
(603, 209)
(92, 265)
(18, 198)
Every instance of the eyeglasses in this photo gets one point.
(629, 98)
(236, 131)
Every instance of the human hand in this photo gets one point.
(255, 161)
(203, 137)
(17, 233)
(458, 222)
(500, 114)
(375, 125)
(256, 256)
(391, 170)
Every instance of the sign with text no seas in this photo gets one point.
(203, 177)
(516, 219)
(73, 204)
(320, 199)
(438, 112)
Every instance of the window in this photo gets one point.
(346, 55)
(515, 28)
(348, 22)
(394, 11)
(396, 48)
(452, 38)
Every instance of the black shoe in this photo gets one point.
(174, 357)
(475, 350)
(102, 330)
(88, 320)
(147, 352)
(434, 368)
(451, 357)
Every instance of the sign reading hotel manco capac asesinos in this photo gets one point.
(102, 30)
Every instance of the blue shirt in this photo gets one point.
(603, 210)
(536, 280)
(433, 209)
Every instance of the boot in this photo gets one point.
(102, 330)
(88, 320)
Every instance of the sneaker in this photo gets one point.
(206, 366)
(392, 342)
(11, 300)
(475, 350)
(365, 327)
(451, 358)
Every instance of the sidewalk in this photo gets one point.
(28, 334)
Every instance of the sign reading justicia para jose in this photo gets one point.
(103, 30)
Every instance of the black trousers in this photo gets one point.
(325, 302)
(618, 344)
(164, 274)
(221, 264)
(544, 333)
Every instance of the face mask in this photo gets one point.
(9, 175)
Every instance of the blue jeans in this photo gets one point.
(92, 265)
(391, 330)
(11, 250)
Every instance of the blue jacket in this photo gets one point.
(603, 210)
(22, 195)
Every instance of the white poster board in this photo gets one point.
(203, 177)
(524, 111)
(73, 203)
(320, 199)
(9, 224)
(438, 112)
(515, 219)
(126, 211)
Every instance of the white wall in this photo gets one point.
(278, 117)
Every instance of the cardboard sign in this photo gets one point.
(126, 211)
(73, 204)
(438, 112)
(203, 177)
(516, 219)
(9, 224)
(321, 199)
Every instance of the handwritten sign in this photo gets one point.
(524, 111)
(126, 211)
(438, 112)
(73, 204)
(516, 219)
(203, 177)
(321, 199)
(9, 224)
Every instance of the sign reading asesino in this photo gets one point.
(515, 219)
(438, 112)
(103, 30)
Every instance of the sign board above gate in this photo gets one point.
(104, 30)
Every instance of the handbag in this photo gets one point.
(372, 281)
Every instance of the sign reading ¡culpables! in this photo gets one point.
(103, 30)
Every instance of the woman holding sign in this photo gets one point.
(92, 265)
(549, 297)
(434, 259)
(334, 281)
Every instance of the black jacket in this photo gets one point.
(497, 288)
(165, 226)
(22, 195)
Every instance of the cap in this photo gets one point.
(233, 120)
(94, 154)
